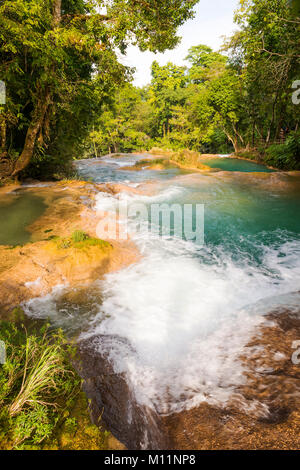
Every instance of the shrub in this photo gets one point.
(71, 425)
(37, 383)
(249, 154)
(285, 156)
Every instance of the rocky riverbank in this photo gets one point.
(260, 409)
(264, 413)
(49, 259)
(63, 250)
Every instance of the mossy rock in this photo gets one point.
(80, 241)
(78, 433)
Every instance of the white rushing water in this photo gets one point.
(185, 313)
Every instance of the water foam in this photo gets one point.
(109, 202)
(187, 314)
(184, 314)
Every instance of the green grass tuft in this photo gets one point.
(79, 236)
(80, 240)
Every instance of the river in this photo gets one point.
(171, 328)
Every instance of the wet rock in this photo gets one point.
(112, 399)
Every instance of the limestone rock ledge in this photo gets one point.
(35, 268)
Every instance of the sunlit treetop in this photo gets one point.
(60, 58)
(205, 63)
(150, 24)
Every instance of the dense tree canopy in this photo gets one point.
(58, 59)
(68, 94)
(238, 99)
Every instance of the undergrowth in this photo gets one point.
(285, 156)
(37, 385)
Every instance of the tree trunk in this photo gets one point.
(2, 134)
(236, 145)
(39, 112)
(31, 136)
(253, 125)
(56, 12)
(237, 135)
(233, 140)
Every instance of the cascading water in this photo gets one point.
(172, 327)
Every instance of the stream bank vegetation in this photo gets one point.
(59, 62)
(68, 96)
(238, 100)
(79, 240)
(41, 403)
(184, 158)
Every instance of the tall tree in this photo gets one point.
(167, 90)
(58, 58)
(269, 41)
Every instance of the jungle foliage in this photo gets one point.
(238, 99)
(37, 385)
(58, 59)
(69, 96)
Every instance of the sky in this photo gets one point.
(214, 19)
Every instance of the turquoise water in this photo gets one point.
(186, 311)
(235, 164)
(240, 213)
(110, 169)
(239, 208)
(176, 322)
(17, 212)
(107, 170)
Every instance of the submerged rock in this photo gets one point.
(264, 413)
